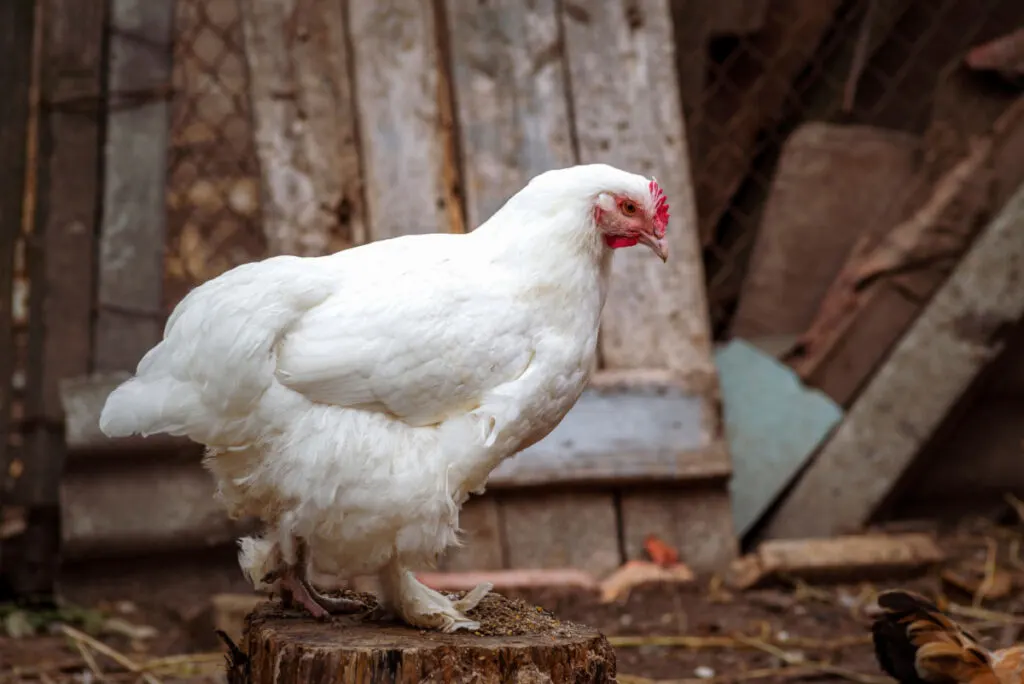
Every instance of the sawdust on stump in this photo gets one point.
(515, 639)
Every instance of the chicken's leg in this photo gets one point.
(294, 586)
(420, 606)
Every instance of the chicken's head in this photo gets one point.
(627, 218)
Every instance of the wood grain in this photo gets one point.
(299, 76)
(512, 102)
(809, 228)
(398, 88)
(671, 442)
(628, 113)
(480, 520)
(281, 648)
(567, 530)
(953, 340)
(131, 244)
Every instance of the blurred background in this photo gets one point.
(837, 346)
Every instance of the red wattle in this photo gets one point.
(616, 241)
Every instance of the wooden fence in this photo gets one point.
(169, 140)
(363, 120)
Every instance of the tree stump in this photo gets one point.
(516, 642)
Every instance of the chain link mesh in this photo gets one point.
(213, 193)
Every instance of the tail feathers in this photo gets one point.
(146, 407)
(916, 643)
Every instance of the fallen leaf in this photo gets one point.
(660, 552)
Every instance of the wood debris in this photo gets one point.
(618, 585)
(849, 558)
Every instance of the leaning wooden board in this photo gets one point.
(962, 329)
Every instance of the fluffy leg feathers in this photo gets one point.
(420, 606)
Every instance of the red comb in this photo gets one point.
(660, 206)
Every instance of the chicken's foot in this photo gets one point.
(294, 586)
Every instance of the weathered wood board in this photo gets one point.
(299, 76)
(957, 335)
(808, 228)
(512, 105)
(405, 128)
(17, 41)
(131, 244)
(483, 547)
(513, 111)
(577, 530)
(656, 314)
(588, 447)
(164, 505)
(66, 145)
(888, 276)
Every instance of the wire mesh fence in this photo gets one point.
(213, 197)
(752, 74)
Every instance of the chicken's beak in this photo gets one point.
(659, 247)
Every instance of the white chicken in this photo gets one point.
(352, 402)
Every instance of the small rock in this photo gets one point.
(703, 672)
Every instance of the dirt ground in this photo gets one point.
(700, 632)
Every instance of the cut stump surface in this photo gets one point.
(517, 642)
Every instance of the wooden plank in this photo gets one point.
(513, 107)
(401, 98)
(61, 262)
(668, 440)
(70, 144)
(480, 520)
(887, 278)
(536, 527)
(616, 64)
(130, 271)
(17, 45)
(854, 558)
(794, 261)
(100, 510)
(696, 522)
(959, 333)
(619, 55)
(304, 125)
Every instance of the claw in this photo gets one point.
(472, 599)
(334, 605)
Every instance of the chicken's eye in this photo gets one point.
(628, 207)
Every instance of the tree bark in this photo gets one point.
(287, 648)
